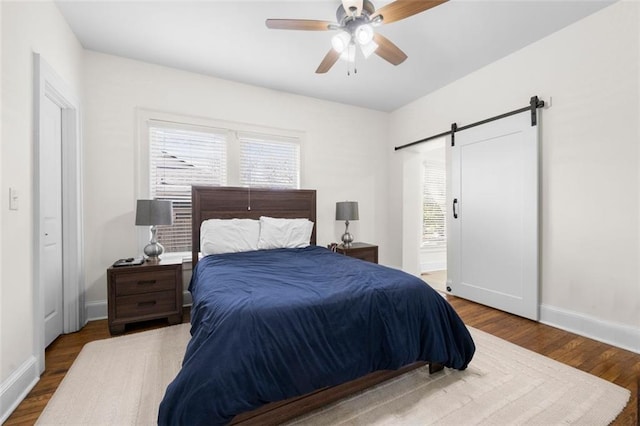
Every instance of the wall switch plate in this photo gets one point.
(13, 199)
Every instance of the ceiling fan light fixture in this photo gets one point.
(353, 7)
(349, 54)
(369, 48)
(376, 21)
(364, 34)
(356, 20)
(341, 41)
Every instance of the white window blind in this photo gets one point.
(269, 161)
(434, 204)
(181, 156)
(183, 153)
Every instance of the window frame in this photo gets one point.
(142, 159)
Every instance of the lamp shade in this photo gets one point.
(347, 210)
(154, 212)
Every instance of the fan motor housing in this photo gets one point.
(343, 17)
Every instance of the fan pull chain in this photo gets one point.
(355, 68)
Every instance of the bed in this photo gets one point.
(277, 333)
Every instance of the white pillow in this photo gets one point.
(219, 236)
(284, 233)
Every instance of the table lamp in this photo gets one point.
(152, 213)
(347, 210)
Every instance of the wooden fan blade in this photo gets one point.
(401, 9)
(298, 24)
(330, 58)
(355, 4)
(389, 51)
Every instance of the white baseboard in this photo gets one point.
(98, 310)
(620, 335)
(17, 387)
(186, 298)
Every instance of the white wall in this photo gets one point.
(27, 27)
(590, 186)
(344, 151)
(411, 210)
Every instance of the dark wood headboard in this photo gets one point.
(224, 202)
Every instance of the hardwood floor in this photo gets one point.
(436, 279)
(606, 361)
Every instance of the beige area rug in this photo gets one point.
(121, 381)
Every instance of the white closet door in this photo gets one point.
(51, 210)
(493, 242)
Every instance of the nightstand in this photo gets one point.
(364, 251)
(144, 292)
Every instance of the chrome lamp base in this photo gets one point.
(154, 249)
(347, 238)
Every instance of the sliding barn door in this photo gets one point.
(492, 251)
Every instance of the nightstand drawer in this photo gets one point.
(369, 256)
(144, 304)
(144, 282)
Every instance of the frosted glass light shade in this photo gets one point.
(349, 54)
(340, 41)
(369, 48)
(364, 34)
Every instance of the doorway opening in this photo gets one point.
(433, 242)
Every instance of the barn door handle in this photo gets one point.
(455, 203)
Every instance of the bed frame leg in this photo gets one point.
(434, 367)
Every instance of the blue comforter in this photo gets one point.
(272, 324)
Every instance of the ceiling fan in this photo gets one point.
(356, 20)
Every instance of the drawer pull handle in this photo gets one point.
(149, 303)
(147, 282)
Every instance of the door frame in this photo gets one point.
(412, 200)
(48, 84)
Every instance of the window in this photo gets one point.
(179, 158)
(269, 162)
(182, 155)
(434, 204)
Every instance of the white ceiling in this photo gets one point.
(229, 39)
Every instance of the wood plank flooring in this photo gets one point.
(606, 361)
